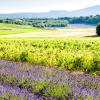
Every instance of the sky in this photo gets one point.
(13, 6)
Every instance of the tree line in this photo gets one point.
(53, 22)
(37, 22)
(83, 20)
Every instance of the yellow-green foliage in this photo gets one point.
(6, 29)
(71, 54)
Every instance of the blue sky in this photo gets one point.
(12, 6)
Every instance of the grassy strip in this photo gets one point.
(6, 29)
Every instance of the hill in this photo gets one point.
(94, 10)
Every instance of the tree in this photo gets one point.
(98, 29)
(1, 20)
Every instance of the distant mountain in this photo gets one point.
(86, 11)
(94, 10)
(51, 14)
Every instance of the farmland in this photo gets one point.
(66, 53)
(7, 29)
(22, 81)
(48, 68)
(13, 31)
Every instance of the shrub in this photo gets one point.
(98, 29)
(23, 56)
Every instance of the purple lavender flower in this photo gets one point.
(82, 85)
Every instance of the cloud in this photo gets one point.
(8, 6)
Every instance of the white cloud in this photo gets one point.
(9, 6)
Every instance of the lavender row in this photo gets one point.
(49, 82)
(15, 93)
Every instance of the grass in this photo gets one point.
(6, 29)
(71, 54)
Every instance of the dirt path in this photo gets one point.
(69, 33)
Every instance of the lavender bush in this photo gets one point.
(28, 82)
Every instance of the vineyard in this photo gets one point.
(70, 54)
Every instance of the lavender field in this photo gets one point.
(23, 81)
